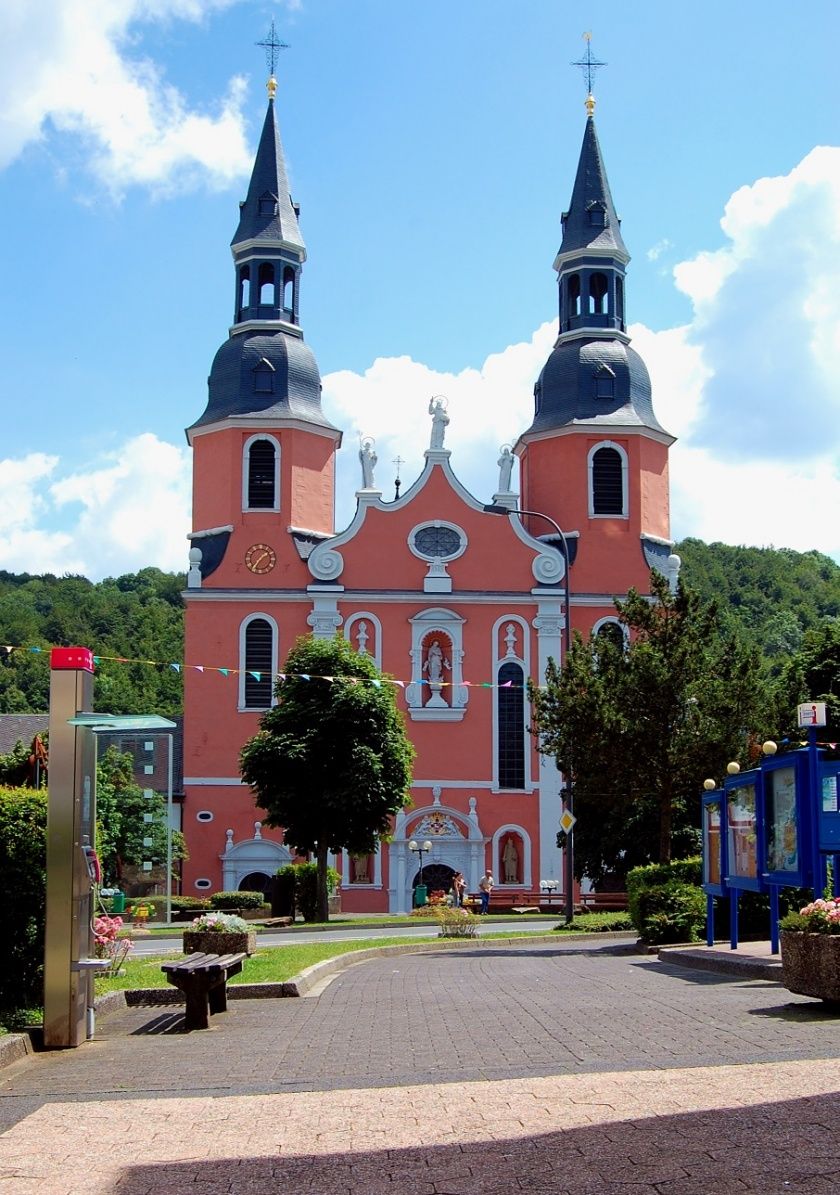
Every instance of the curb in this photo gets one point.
(742, 966)
(14, 1046)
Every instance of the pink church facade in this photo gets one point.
(459, 604)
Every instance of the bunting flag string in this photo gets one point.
(181, 667)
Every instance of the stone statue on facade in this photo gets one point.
(435, 663)
(510, 859)
(505, 469)
(440, 419)
(367, 457)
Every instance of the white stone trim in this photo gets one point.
(275, 639)
(325, 618)
(366, 616)
(527, 880)
(549, 624)
(251, 854)
(465, 854)
(611, 618)
(246, 450)
(459, 531)
(450, 625)
(347, 884)
(214, 782)
(275, 421)
(523, 659)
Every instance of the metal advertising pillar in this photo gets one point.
(71, 822)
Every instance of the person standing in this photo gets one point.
(459, 887)
(485, 886)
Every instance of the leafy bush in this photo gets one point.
(306, 890)
(237, 900)
(682, 871)
(23, 824)
(184, 904)
(672, 912)
(596, 923)
(283, 892)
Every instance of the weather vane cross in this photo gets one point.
(588, 64)
(272, 46)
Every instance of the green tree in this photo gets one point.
(635, 731)
(813, 675)
(331, 763)
(121, 807)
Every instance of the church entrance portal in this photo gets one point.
(437, 877)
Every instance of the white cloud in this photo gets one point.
(488, 407)
(70, 65)
(656, 251)
(767, 317)
(123, 512)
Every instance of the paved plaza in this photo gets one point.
(573, 1067)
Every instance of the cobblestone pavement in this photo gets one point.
(538, 1068)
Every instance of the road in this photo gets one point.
(363, 933)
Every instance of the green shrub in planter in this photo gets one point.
(672, 912)
(237, 900)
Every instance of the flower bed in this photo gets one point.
(456, 923)
(219, 933)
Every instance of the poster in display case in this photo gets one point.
(742, 835)
(713, 866)
(783, 854)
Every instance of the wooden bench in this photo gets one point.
(604, 902)
(203, 980)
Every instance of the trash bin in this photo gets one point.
(421, 893)
(117, 901)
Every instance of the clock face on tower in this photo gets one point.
(260, 558)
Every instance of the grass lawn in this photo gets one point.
(590, 920)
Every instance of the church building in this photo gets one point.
(415, 581)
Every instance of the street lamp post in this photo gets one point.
(569, 873)
(420, 849)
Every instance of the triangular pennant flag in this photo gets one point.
(175, 667)
(507, 685)
(485, 684)
(199, 667)
(281, 675)
(401, 683)
(96, 659)
(256, 675)
(304, 676)
(376, 683)
(329, 678)
(36, 649)
(224, 671)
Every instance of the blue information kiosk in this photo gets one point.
(773, 827)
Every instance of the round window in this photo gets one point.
(437, 543)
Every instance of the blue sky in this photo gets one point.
(432, 146)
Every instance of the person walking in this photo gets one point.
(485, 886)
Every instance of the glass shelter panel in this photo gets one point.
(781, 821)
(712, 875)
(742, 833)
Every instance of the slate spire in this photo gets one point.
(268, 212)
(591, 221)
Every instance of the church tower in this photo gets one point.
(595, 458)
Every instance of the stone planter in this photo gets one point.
(811, 964)
(208, 941)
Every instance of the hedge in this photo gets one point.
(23, 836)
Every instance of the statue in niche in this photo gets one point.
(362, 638)
(440, 419)
(505, 469)
(435, 663)
(510, 860)
(368, 458)
(361, 870)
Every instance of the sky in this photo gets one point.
(432, 146)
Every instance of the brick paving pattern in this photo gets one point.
(533, 1068)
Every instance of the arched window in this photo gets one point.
(574, 295)
(511, 717)
(289, 289)
(262, 475)
(244, 288)
(598, 294)
(258, 664)
(607, 482)
(266, 282)
(612, 631)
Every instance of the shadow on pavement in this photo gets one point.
(784, 1148)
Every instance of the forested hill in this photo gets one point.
(773, 595)
(138, 617)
